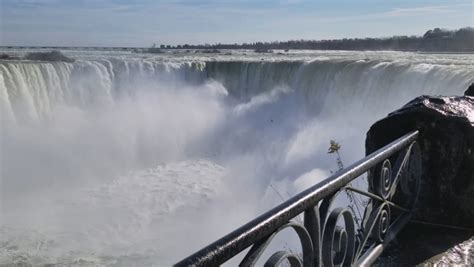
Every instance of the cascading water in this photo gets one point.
(120, 160)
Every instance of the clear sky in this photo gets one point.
(144, 22)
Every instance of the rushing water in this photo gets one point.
(137, 159)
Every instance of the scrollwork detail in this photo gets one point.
(383, 181)
(334, 237)
(280, 256)
(306, 243)
(338, 242)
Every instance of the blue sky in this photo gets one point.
(144, 22)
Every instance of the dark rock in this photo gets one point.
(446, 139)
(470, 91)
(154, 50)
(263, 50)
(210, 51)
(423, 245)
(48, 56)
(8, 57)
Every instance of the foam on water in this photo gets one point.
(115, 218)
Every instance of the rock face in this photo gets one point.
(470, 91)
(8, 57)
(446, 139)
(48, 56)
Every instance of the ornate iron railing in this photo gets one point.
(333, 236)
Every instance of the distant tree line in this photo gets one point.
(439, 40)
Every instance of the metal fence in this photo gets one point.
(330, 235)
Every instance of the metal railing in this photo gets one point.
(333, 236)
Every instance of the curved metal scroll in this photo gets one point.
(334, 245)
(256, 251)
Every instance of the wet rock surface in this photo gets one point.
(48, 56)
(4, 56)
(446, 139)
(459, 255)
(429, 245)
(470, 91)
(446, 126)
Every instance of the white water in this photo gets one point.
(123, 159)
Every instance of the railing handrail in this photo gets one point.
(238, 240)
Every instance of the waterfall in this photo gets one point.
(30, 91)
(106, 160)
